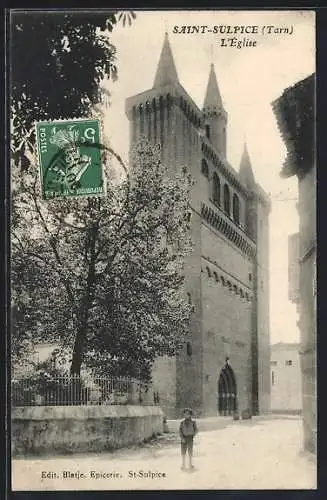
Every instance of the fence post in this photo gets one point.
(132, 392)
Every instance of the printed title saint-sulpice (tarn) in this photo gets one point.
(227, 29)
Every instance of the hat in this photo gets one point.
(188, 410)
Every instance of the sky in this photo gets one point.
(249, 79)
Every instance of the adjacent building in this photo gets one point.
(295, 113)
(285, 376)
(224, 365)
(294, 269)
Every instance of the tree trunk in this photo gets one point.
(77, 358)
(81, 330)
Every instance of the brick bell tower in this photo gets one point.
(228, 227)
(167, 115)
(151, 113)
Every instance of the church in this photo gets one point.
(224, 367)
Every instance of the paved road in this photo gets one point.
(259, 454)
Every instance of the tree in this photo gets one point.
(58, 60)
(108, 269)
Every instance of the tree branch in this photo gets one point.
(52, 244)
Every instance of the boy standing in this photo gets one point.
(187, 431)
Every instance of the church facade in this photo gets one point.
(224, 366)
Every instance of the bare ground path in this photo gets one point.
(257, 454)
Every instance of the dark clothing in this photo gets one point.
(187, 431)
(187, 445)
(187, 428)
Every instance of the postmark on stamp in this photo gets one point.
(70, 158)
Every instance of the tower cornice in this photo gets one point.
(175, 91)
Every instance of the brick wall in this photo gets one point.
(164, 382)
(219, 313)
(226, 333)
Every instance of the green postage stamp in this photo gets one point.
(70, 158)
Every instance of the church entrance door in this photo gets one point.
(227, 391)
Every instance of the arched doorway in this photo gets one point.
(227, 391)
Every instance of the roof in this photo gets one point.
(212, 98)
(166, 70)
(246, 172)
(295, 113)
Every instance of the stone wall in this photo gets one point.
(286, 389)
(75, 429)
(262, 309)
(308, 327)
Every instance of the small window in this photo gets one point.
(189, 348)
(272, 378)
(205, 168)
(226, 199)
(250, 277)
(216, 188)
(215, 275)
(208, 271)
(208, 131)
(273, 363)
(289, 362)
(236, 209)
(189, 298)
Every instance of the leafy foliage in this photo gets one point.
(105, 274)
(101, 277)
(58, 60)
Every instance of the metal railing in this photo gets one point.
(74, 390)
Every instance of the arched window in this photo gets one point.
(205, 168)
(226, 199)
(216, 189)
(208, 131)
(215, 276)
(189, 348)
(208, 272)
(236, 209)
